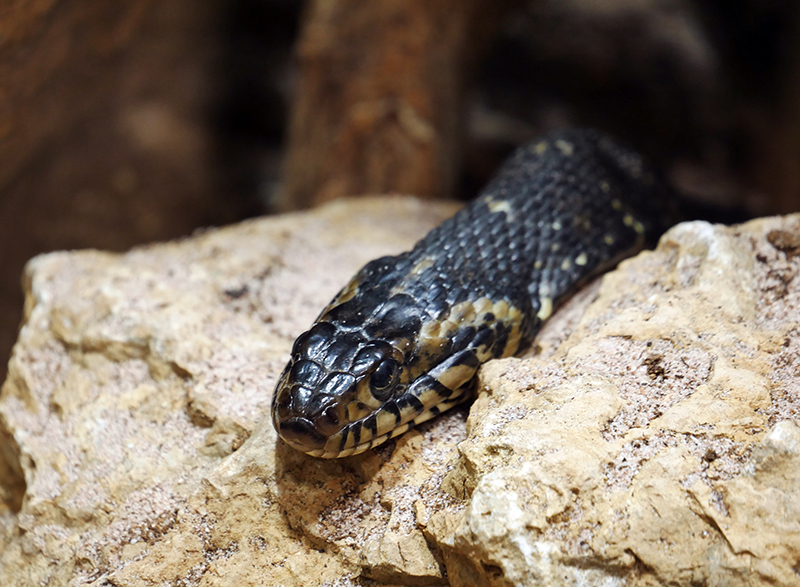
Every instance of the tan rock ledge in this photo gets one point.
(651, 437)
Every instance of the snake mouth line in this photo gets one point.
(302, 435)
(326, 453)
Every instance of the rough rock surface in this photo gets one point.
(650, 438)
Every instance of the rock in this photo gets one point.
(135, 384)
(658, 445)
(649, 438)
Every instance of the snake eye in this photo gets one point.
(384, 376)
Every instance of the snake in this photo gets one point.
(403, 341)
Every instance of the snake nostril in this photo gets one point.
(329, 422)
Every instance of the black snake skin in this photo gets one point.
(403, 340)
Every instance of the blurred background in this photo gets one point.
(135, 121)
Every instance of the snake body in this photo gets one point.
(403, 341)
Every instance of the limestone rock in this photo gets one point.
(136, 376)
(649, 438)
(659, 444)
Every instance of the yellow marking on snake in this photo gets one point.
(546, 308)
(565, 147)
(422, 266)
(496, 206)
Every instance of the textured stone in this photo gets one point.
(658, 445)
(136, 376)
(649, 438)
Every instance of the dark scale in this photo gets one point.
(403, 341)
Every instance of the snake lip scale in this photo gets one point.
(404, 339)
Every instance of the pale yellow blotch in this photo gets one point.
(429, 398)
(484, 354)
(460, 313)
(332, 446)
(566, 264)
(422, 266)
(454, 378)
(565, 147)
(415, 270)
(581, 259)
(448, 326)
(353, 413)
(500, 206)
(546, 310)
(365, 396)
(482, 305)
(386, 422)
(512, 346)
(500, 310)
(431, 329)
(423, 417)
(351, 440)
(399, 430)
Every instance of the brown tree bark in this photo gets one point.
(378, 100)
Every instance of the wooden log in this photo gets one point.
(378, 100)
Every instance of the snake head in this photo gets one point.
(381, 359)
(329, 393)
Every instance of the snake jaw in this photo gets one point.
(333, 450)
(301, 434)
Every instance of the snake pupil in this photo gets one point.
(384, 376)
